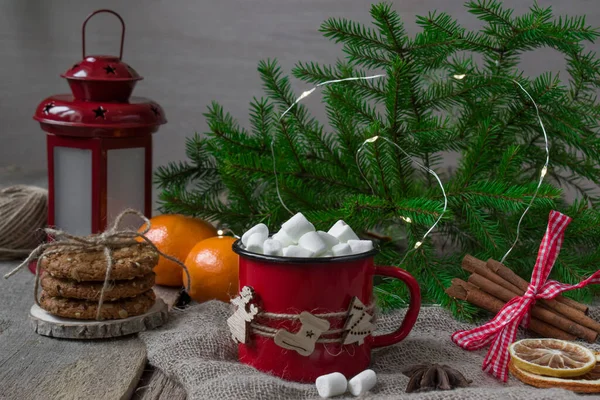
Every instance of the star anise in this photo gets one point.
(426, 377)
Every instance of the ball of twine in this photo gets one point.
(23, 214)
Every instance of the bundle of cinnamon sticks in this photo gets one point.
(492, 284)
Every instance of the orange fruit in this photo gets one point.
(175, 235)
(213, 268)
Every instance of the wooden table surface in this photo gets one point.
(39, 367)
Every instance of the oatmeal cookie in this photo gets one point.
(84, 309)
(129, 262)
(57, 287)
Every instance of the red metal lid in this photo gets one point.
(102, 78)
(100, 104)
(65, 110)
(102, 68)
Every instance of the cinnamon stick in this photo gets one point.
(475, 265)
(561, 308)
(466, 291)
(509, 275)
(486, 270)
(548, 316)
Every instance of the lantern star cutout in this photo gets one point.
(100, 111)
(109, 70)
(48, 107)
(154, 109)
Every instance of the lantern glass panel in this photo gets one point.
(73, 190)
(125, 183)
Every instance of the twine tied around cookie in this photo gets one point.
(106, 241)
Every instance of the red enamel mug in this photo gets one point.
(290, 286)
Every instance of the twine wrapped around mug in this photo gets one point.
(106, 241)
(246, 315)
(270, 332)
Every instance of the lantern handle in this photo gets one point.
(98, 12)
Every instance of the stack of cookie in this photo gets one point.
(73, 280)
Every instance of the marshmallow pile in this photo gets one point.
(299, 238)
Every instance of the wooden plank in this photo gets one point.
(38, 367)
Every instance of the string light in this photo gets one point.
(223, 231)
(544, 169)
(427, 169)
(373, 139)
(304, 95)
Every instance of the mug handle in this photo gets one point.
(413, 310)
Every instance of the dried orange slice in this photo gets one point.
(588, 383)
(552, 357)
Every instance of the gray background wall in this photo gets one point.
(190, 53)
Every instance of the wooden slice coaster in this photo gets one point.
(47, 324)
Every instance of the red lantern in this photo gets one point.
(99, 143)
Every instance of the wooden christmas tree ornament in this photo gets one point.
(358, 323)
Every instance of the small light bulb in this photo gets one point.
(305, 94)
(418, 244)
(371, 140)
(544, 171)
(220, 232)
(406, 219)
(459, 76)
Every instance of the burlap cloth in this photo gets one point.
(196, 349)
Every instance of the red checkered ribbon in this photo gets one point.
(502, 329)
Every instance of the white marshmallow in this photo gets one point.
(297, 226)
(313, 242)
(328, 253)
(362, 382)
(337, 225)
(331, 385)
(342, 249)
(272, 247)
(260, 228)
(329, 240)
(283, 238)
(255, 243)
(343, 233)
(360, 246)
(297, 251)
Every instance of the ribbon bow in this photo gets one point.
(501, 331)
(109, 240)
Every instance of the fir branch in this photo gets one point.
(485, 119)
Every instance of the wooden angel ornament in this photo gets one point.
(244, 314)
